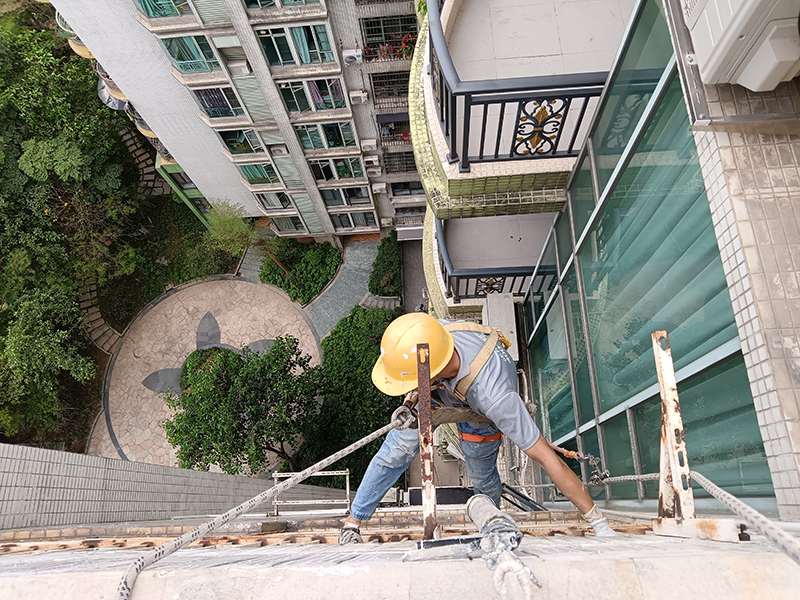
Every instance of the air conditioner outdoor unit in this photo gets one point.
(279, 150)
(378, 188)
(238, 67)
(372, 161)
(754, 43)
(374, 172)
(387, 221)
(369, 145)
(358, 97)
(352, 57)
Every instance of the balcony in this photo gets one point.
(506, 100)
(509, 249)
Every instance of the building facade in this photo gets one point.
(295, 109)
(672, 216)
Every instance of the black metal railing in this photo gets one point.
(479, 283)
(520, 118)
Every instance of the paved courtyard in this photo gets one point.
(220, 312)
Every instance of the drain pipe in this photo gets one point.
(499, 537)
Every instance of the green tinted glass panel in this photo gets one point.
(529, 322)
(723, 441)
(550, 372)
(619, 455)
(546, 276)
(563, 239)
(577, 346)
(641, 66)
(652, 262)
(582, 196)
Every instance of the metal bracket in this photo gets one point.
(426, 442)
(676, 512)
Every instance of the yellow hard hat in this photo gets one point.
(395, 372)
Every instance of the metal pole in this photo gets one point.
(347, 488)
(426, 442)
(675, 499)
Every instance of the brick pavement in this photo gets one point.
(159, 340)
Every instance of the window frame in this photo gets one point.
(343, 200)
(336, 173)
(282, 198)
(303, 86)
(312, 28)
(187, 9)
(210, 58)
(322, 134)
(229, 93)
(250, 136)
(348, 212)
(270, 173)
(410, 192)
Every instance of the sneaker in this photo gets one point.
(350, 535)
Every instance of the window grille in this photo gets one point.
(389, 38)
(390, 90)
(408, 188)
(400, 162)
(219, 102)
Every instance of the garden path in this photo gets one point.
(217, 311)
(347, 290)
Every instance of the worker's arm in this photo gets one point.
(561, 474)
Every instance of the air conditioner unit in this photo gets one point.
(358, 97)
(374, 172)
(369, 145)
(352, 57)
(372, 161)
(387, 221)
(279, 150)
(754, 43)
(378, 188)
(238, 67)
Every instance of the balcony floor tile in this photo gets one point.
(525, 38)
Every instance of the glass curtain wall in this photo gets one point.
(647, 260)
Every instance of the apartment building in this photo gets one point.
(613, 199)
(293, 109)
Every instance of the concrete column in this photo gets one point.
(753, 183)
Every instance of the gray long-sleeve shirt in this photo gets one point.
(494, 391)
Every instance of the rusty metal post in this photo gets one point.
(675, 498)
(676, 514)
(426, 442)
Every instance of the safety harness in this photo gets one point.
(465, 413)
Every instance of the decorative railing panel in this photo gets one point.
(509, 119)
(479, 283)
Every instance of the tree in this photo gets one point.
(235, 408)
(352, 406)
(228, 228)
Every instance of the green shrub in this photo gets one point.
(352, 406)
(311, 267)
(385, 278)
(229, 229)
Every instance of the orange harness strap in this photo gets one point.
(473, 437)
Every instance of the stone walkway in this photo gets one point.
(222, 311)
(347, 290)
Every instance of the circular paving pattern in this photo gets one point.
(225, 312)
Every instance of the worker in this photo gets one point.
(492, 392)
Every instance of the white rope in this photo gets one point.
(145, 560)
(782, 539)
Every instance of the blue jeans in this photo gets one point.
(399, 449)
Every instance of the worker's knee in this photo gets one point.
(481, 463)
(399, 448)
